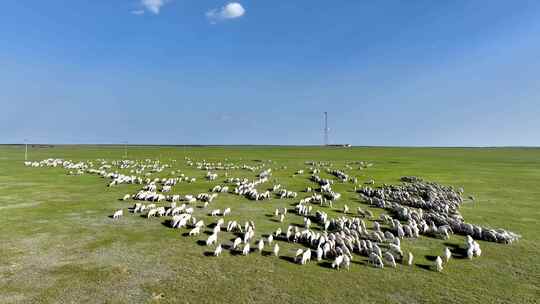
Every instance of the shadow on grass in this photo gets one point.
(208, 253)
(325, 264)
(201, 242)
(457, 252)
(288, 259)
(266, 253)
(167, 223)
(423, 266)
(431, 258)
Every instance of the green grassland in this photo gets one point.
(58, 244)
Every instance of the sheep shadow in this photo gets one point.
(266, 253)
(457, 251)
(167, 223)
(226, 247)
(201, 242)
(325, 264)
(208, 253)
(110, 216)
(288, 259)
(361, 262)
(235, 252)
(186, 234)
(275, 220)
(423, 266)
(431, 258)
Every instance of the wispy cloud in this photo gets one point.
(230, 11)
(153, 6)
(137, 12)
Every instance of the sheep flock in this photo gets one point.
(332, 236)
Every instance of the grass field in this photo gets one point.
(58, 244)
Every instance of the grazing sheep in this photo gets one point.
(347, 261)
(375, 260)
(236, 242)
(438, 264)
(276, 249)
(211, 239)
(260, 245)
(117, 214)
(126, 197)
(281, 218)
(447, 255)
(227, 211)
(410, 259)
(345, 209)
(476, 249)
(246, 249)
(215, 212)
(306, 257)
(298, 255)
(389, 258)
(320, 253)
(195, 231)
(337, 261)
(270, 239)
(218, 250)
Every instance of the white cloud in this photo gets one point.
(137, 12)
(230, 11)
(153, 6)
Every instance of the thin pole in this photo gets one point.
(25, 150)
(326, 128)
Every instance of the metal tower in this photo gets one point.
(326, 128)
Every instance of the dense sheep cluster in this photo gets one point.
(431, 208)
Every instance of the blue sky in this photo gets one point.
(442, 73)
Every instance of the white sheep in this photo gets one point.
(126, 197)
(476, 249)
(227, 211)
(218, 250)
(246, 249)
(438, 264)
(236, 242)
(346, 262)
(319, 253)
(390, 259)
(410, 259)
(306, 256)
(337, 262)
(281, 218)
(211, 240)
(117, 214)
(298, 255)
(260, 246)
(447, 255)
(276, 249)
(195, 231)
(215, 212)
(345, 209)
(270, 239)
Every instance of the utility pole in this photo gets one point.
(326, 128)
(125, 149)
(25, 149)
